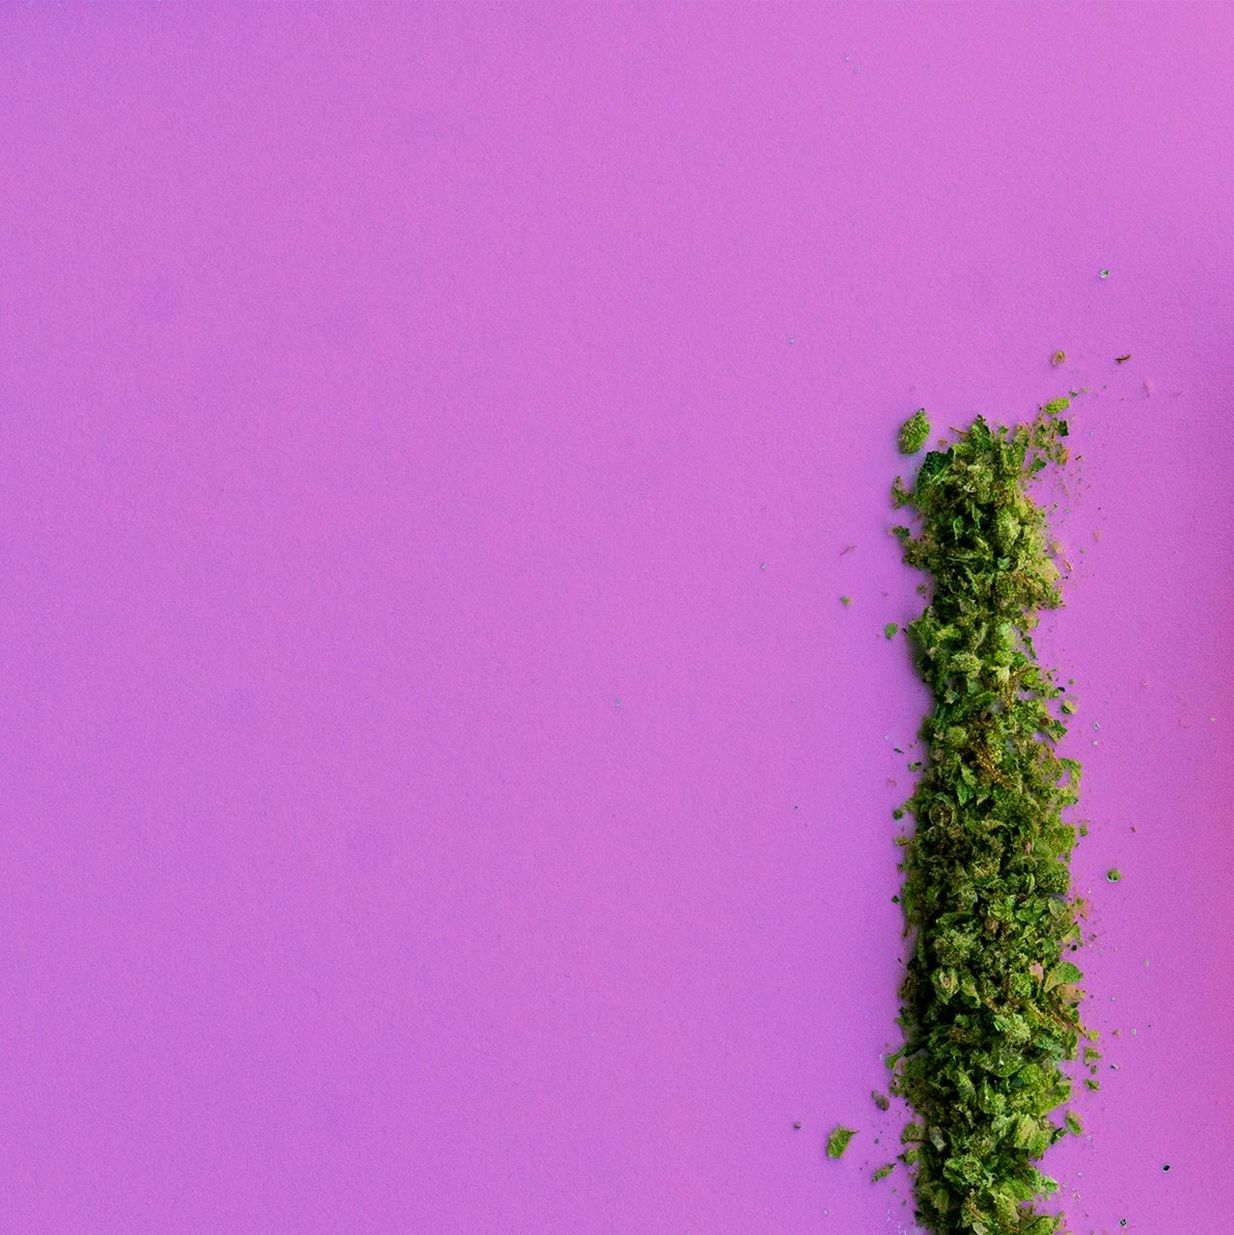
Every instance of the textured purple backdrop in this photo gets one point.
(441, 788)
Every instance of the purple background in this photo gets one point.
(441, 789)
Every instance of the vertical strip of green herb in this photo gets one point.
(989, 1004)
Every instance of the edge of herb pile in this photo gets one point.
(989, 1004)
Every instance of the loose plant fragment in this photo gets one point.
(914, 432)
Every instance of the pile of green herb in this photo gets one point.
(989, 1003)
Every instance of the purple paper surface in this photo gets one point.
(442, 790)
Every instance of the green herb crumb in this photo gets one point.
(846, 601)
(914, 432)
(882, 1172)
(838, 1139)
(1114, 875)
(881, 1100)
(891, 629)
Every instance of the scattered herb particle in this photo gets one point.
(1069, 706)
(838, 1139)
(1114, 875)
(846, 601)
(882, 1172)
(1105, 274)
(914, 432)
(989, 1010)
(881, 1100)
(891, 629)
(796, 1125)
(1059, 358)
(1072, 1121)
(1122, 359)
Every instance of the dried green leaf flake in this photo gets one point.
(1062, 973)
(914, 432)
(838, 1139)
(882, 1172)
(891, 629)
(990, 1009)
(881, 1100)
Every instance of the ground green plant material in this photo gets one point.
(990, 1003)
(838, 1139)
